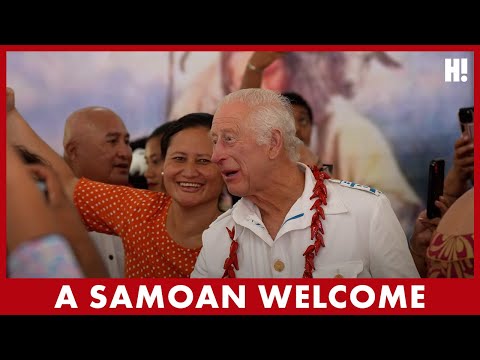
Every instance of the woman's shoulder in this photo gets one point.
(459, 218)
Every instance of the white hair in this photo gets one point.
(269, 110)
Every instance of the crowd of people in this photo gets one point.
(321, 84)
(91, 221)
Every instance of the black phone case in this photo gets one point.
(465, 118)
(465, 115)
(436, 174)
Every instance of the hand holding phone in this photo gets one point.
(436, 174)
(465, 118)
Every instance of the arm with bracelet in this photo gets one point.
(258, 62)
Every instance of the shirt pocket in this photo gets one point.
(349, 269)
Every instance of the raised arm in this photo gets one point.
(258, 62)
(19, 132)
(458, 177)
(45, 236)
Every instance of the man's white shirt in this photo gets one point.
(363, 238)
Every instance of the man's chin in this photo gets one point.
(235, 191)
(119, 180)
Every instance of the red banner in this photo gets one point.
(235, 296)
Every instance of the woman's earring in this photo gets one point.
(163, 173)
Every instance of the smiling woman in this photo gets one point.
(163, 235)
(154, 247)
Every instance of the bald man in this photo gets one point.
(96, 146)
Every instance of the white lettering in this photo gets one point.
(316, 298)
(180, 305)
(332, 296)
(228, 293)
(452, 69)
(354, 299)
(102, 299)
(66, 298)
(121, 298)
(301, 294)
(143, 294)
(416, 296)
(207, 297)
(268, 299)
(386, 294)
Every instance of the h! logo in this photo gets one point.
(456, 70)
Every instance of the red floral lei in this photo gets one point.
(316, 230)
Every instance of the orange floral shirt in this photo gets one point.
(138, 217)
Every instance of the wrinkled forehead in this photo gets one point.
(107, 118)
(99, 132)
(105, 122)
(231, 115)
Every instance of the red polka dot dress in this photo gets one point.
(138, 217)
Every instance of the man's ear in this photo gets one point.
(71, 150)
(276, 143)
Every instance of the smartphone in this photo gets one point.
(436, 174)
(465, 118)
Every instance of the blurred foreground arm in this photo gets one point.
(69, 223)
(35, 247)
(44, 228)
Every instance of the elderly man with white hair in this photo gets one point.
(292, 221)
(338, 134)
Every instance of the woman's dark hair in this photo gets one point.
(29, 157)
(160, 131)
(192, 120)
(138, 180)
(297, 99)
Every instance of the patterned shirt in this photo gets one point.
(47, 257)
(450, 256)
(139, 217)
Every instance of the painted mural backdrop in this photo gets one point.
(393, 103)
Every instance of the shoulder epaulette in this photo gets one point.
(353, 185)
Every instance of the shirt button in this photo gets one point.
(279, 266)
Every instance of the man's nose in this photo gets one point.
(218, 154)
(124, 151)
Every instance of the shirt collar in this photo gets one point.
(299, 216)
